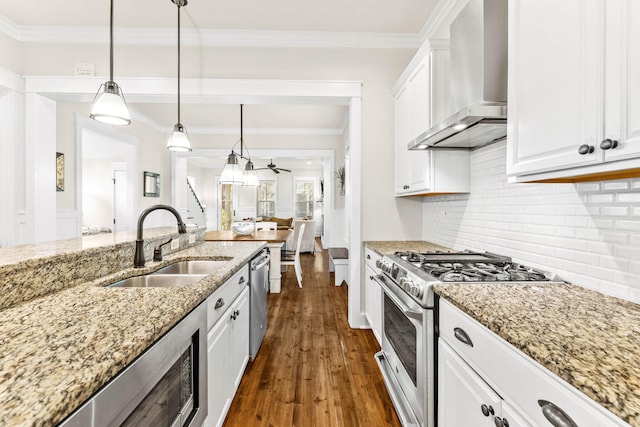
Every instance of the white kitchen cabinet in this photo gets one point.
(523, 385)
(465, 399)
(227, 344)
(421, 100)
(574, 88)
(373, 294)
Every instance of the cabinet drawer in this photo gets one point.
(516, 376)
(225, 295)
(370, 258)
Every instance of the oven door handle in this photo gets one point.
(412, 314)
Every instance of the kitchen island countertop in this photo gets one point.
(588, 339)
(58, 350)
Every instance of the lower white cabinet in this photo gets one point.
(477, 367)
(465, 399)
(373, 293)
(227, 348)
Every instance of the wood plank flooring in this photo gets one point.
(312, 368)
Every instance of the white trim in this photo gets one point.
(437, 24)
(11, 80)
(209, 38)
(264, 131)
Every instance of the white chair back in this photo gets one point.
(266, 225)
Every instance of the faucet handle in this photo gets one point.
(157, 251)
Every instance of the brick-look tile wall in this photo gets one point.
(587, 233)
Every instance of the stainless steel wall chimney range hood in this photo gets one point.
(478, 40)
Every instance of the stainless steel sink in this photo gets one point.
(193, 267)
(158, 281)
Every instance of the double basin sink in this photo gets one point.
(181, 273)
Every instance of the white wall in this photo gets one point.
(588, 233)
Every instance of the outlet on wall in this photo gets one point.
(175, 244)
(443, 215)
(192, 238)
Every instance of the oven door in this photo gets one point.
(407, 347)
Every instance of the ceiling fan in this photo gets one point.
(274, 168)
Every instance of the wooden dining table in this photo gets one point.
(275, 240)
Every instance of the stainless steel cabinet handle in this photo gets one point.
(608, 144)
(505, 423)
(486, 410)
(241, 281)
(219, 303)
(370, 277)
(585, 149)
(556, 416)
(235, 314)
(498, 422)
(461, 335)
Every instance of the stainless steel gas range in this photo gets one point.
(407, 357)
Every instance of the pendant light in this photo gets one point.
(179, 139)
(109, 105)
(232, 174)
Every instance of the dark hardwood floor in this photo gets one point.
(312, 368)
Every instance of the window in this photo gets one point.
(267, 198)
(304, 199)
(226, 206)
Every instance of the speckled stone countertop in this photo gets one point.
(589, 339)
(59, 349)
(391, 246)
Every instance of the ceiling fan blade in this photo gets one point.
(285, 170)
(275, 170)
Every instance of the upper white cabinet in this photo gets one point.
(574, 90)
(421, 100)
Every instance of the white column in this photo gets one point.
(353, 209)
(40, 170)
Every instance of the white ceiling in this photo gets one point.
(382, 17)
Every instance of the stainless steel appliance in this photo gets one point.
(259, 287)
(478, 40)
(165, 387)
(407, 357)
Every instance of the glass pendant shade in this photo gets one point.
(179, 139)
(109, 105)
(232, 174)
(250, 176)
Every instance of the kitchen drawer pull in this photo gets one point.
(486, 410)
(462, 336)
(219, 303)
(241, 281)
(608, 144)
(368, 256)
(556, 416)
(585, 149)
(498, 422)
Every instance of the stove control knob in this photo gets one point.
(416, 291)
(379, 263)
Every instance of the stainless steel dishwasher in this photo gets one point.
(259, 285)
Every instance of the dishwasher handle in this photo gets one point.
(262, 264)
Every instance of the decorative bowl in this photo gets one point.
(243, 228)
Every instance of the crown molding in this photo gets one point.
(210, 38)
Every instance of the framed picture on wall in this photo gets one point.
(151, 184)
(59, 172)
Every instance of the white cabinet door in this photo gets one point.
(403, 130)
(373, 303)
(240, 337)
(219, 379)
(622, 78)
(464, 399)
(512, 418)
(420, 99)
(555, 84)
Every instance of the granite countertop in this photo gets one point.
(391, 246)
(58, 350)
(589, 339)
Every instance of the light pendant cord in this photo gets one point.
(179, 63)
(111, 41)
(241, 133)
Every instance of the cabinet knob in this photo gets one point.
(219, 303)
(241, 281)
(505, 423)
(235, 314)
(608, 144)
(486, 410)
(368, 256)
(498, 422)
(585, 149)
(370, 277)
(555, 415)
(462, 336)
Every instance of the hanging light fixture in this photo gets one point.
(232, 174)
(179, 139)
(109, 105)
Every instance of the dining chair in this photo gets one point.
(292, 257)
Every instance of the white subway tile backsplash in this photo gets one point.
(588, 233)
